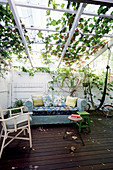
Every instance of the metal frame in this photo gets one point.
(17, 20)
(60, 10)
(110, 43)
(57, 10)
(50, 30)
(97, 2)
(78, 15)
(75, 22)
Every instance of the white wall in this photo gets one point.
(21, 86)
(24, 85)
(5, 91)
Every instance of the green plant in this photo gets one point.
(18, 103)
(98, 82)
(10, 39)
(80, 44)
(66, 80)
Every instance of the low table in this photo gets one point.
(74, 119)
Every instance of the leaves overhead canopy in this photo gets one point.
(80, 45)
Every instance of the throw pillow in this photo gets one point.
(37, 100)
(58, 100)
(47, 100)
(71, 101)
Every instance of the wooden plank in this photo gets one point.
(51, 151)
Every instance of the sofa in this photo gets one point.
(55, 109)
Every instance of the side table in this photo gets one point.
(77, 120)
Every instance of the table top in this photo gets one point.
(74, 118)
(83, 113)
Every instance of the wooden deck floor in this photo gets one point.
(50, 151)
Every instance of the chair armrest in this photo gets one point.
(13, 109)
(14, 117)
(81, 103)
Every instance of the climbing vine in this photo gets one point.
(10, 39)
(80, 45)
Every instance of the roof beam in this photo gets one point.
(37, 28)
(108, 45)
(97, 2)
(42, 29)
(72, 31)
(49, 30)
(59, 10)
(96, 15)
(45, 43)
(17, 20)
(91, 34)
(3, 2)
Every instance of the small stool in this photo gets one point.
(86, 121)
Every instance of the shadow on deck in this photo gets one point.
(51, 151)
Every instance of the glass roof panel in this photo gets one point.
(31, 17)
(92, 8)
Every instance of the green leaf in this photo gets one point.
(58, 22)
(48, 12)
(57, 28)
(39, 34)
(91, 25)
(105, 24)
(62, 5)
(53, 23)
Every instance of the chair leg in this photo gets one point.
(24, 132)
(30, 139)
(1, 133)
(2, 147)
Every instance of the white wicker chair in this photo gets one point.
(17, 122)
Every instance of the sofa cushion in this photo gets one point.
(71, 101)
(37, 100)
(42, 110)
(47, 100)
(58, 100)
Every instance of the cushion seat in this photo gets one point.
(24, 118)
(42, 110)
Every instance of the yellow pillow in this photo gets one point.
(37, 100)
(71, 101)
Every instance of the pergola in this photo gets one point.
(14, 4)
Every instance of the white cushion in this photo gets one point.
(24, 118)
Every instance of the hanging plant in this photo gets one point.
(10, 39)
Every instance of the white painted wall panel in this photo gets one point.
(4, 91)
(21, 86)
